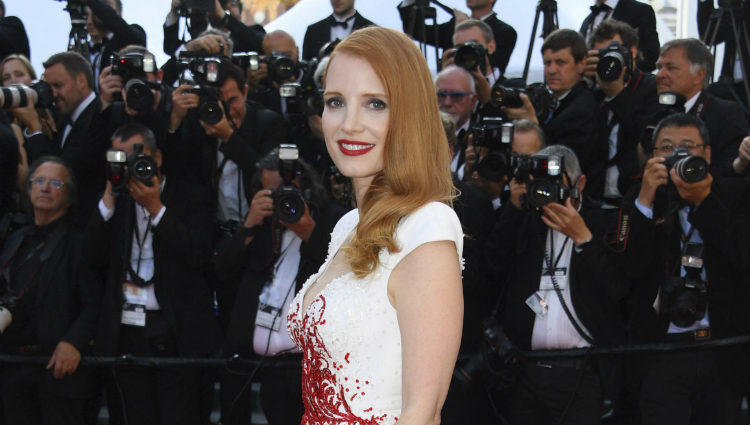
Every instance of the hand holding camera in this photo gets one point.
(526, 110)
(256, 76)
(212, 44)
(565, 219)
(517, 191)
(260, 207)
(182, 101)
(222, 129)
(742, 161)
(110, 84)
(654, 175)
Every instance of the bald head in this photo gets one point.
(281, 41)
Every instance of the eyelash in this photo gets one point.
(374, 103)
(334, 102)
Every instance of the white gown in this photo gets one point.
(349, 335)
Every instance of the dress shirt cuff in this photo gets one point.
(27, 135)
(646, 211)
(155, 221)
(105, 211)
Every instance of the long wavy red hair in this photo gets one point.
(416, 160)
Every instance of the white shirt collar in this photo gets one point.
(691, 102)
(338, 18)
(81, 106)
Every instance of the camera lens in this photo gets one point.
(17, 95)
(283, 68)
(140, 97)
(610, 66)
(209, 111)
(466, 57)
(143, 169)
(691, 168)
(289, 205)
(494, 166)
(503, 96)
(540, 193)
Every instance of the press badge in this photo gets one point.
(270, 302)
(560, 277)
(537, 304)
(134, 308)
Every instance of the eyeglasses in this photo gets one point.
(455, 96)
(40, 181)
(670, 148)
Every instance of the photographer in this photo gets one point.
(227, 16)
(150, 242)
(13, 38)
(131, 91)
(554, 294)
(413, 24)
(80, 129)
(210, 41)
(109, 33)
(269, 257)
(685, 66)
(628, 96)
(264, 82)
(569, 121)
(687, 228)
(54, 307)
(456, 94)
(336, 26)
(474, 45)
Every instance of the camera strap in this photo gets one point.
(551, 267)
(138, 280)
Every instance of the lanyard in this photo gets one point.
(142, 241)
(552, 250)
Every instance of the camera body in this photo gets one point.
(288, 203)
(544, 182)
(684, 299)
(7, 308)
(138, 165)
(469, 55)
(280, 66)
(498, 358)
(612, 59)
(39, 93)
(540, 96)
(496, 136)
(132, 67)
(203, 73)
(305, 95)
(691, 168)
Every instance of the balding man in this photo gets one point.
(457, 97)
(264, 85)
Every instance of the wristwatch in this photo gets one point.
(225, 18)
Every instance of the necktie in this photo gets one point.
(343, 24)
(599, 8)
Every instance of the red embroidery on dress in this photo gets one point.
(322, 395)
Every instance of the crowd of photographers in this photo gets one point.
(174, 211)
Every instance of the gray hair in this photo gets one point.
(698, 55)
(572, 166)
(524, 125)
(483, 27)
(454, 68)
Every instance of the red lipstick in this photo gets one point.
(354, 148)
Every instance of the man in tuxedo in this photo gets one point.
(504, 34)
(337, 26)
(79, 139)
(151, 245)
(569, 121)
(626, 103)
(109, 33)
(638, 15)
(54, 307)
(552, 264)
(685, 67)
(680, 236)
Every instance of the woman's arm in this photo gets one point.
(425, 289)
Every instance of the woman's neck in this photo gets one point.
(361, 185)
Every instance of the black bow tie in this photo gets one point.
(599, 8)
(343, 24)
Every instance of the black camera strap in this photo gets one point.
(141, 241)
(551, 268)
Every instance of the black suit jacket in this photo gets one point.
(319, 33)
(182, 249)
(505, 35)
(515, 252)
(640, 16)
(67, 301)
(727, 126)
(630, 109)
(571, 124)
(13, 38)
(251, 266)
(84, 151)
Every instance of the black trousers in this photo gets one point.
(685, 388)
(153, 396)
(546, 394)
(27, 399)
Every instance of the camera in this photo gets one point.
(202, 72)
(132, 67)
(247, 60)
(305, 95)
(684, 298)
(612, 59)
(188, 6)
(288, 204)
(496, 136)
(498, 356)
(691, 168)
(7, 306)
(139, 165)
(39, 93)
(545, 181)
(470, 55)
(280, 66)
(540, 96)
